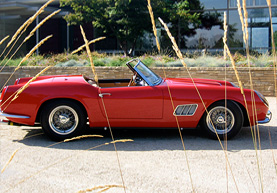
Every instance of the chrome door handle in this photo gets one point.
(103, 94)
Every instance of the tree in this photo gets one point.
(124, 19)
(127, 20)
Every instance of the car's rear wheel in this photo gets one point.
(62, 119)
(222, 120)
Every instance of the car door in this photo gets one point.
(137, 102)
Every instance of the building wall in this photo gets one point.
(263, 78)
(9, 27)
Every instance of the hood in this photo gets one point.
(197, 81)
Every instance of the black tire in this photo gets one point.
(62, 119)
(217, 120)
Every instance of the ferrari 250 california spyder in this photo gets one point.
(65, 105)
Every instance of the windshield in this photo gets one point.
(144, 72)
(150, 77)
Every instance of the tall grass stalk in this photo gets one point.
(104, 188)
(153, 25)
(29, 82)
(23, 28)
(225, 90)
(102, 100)
(89, 55)
(83, 46)
(180, 56)
(30, 35)
(255, 135)
(63, 160)
(273, 47)
(81, 137)
(26, 57)
(40, 24)
(274, 67)
(11, 158)
(4, 39)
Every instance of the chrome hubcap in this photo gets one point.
(220, 119)
(63, 120)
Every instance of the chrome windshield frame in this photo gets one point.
(143, 76)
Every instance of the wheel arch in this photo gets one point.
(243, 109)
(58, 99)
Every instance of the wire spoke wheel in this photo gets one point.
(63, 120)
(220, 120)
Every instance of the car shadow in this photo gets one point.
(153, 140)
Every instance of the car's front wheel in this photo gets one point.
(222, 120)
(62, 120)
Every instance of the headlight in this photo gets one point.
(262, 98)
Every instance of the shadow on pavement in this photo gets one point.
(154, 140)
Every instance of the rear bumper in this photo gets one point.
(267, 118)
(13, 116)
(4, 121)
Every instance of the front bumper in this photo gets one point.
(267, 118)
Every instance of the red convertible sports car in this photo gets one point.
(65, 105)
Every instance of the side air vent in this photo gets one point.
(185, 110)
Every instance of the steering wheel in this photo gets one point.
(132, 79)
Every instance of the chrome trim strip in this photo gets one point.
(267, 118)
(14, 116)
(103, 94)
(262, 98)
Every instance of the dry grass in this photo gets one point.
(33, 50)
(40, 24)
(274, 67)
(104, 188)
(121, 141)
(153, 25)
(89, 55)
(29, 36)
(83, 46)
(26, 57)
(28, 83)
(11, 158)
(4, 39)
(255, 132)
(180, 56)
(273, 47)
(82, 137)
(23, 28)
(62, 161)
(102, 100)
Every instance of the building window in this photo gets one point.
(214, 4)
(233, 3)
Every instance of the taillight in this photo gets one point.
(16, 81)
(3, 93)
